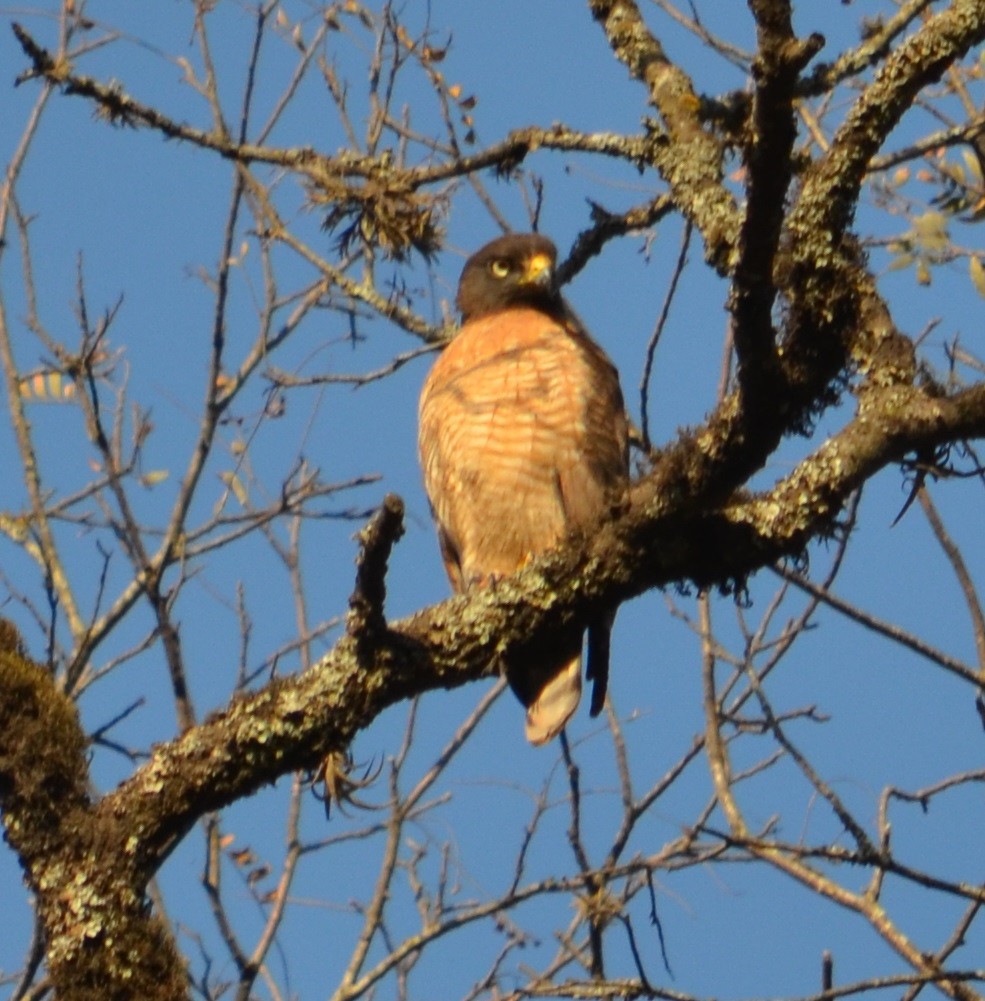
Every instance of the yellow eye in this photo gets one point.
(500, 269)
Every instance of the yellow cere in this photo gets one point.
(537, 265)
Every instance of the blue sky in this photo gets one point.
(145, 219)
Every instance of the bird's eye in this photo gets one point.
(500, 268)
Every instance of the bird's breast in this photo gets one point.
(506, 423)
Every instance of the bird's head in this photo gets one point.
(514, 270)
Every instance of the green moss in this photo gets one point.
(10, 638)
(36, 717)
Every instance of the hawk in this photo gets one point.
(523, 438)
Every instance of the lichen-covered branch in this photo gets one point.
(101, 942)
(875, 46)
(668, 534)
(809, 328)
(830, 191)
(769, 171)
(691, 156)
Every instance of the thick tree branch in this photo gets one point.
(830, 191)
(671, 531)
(691, 160)
(689, 519)
(100, 940)
(769, 171)
(834, 314)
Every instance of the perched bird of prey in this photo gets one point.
(523, 437)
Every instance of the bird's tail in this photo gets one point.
(555, 704)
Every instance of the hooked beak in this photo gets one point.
(539, 270)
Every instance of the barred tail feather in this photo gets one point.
(555, 704)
